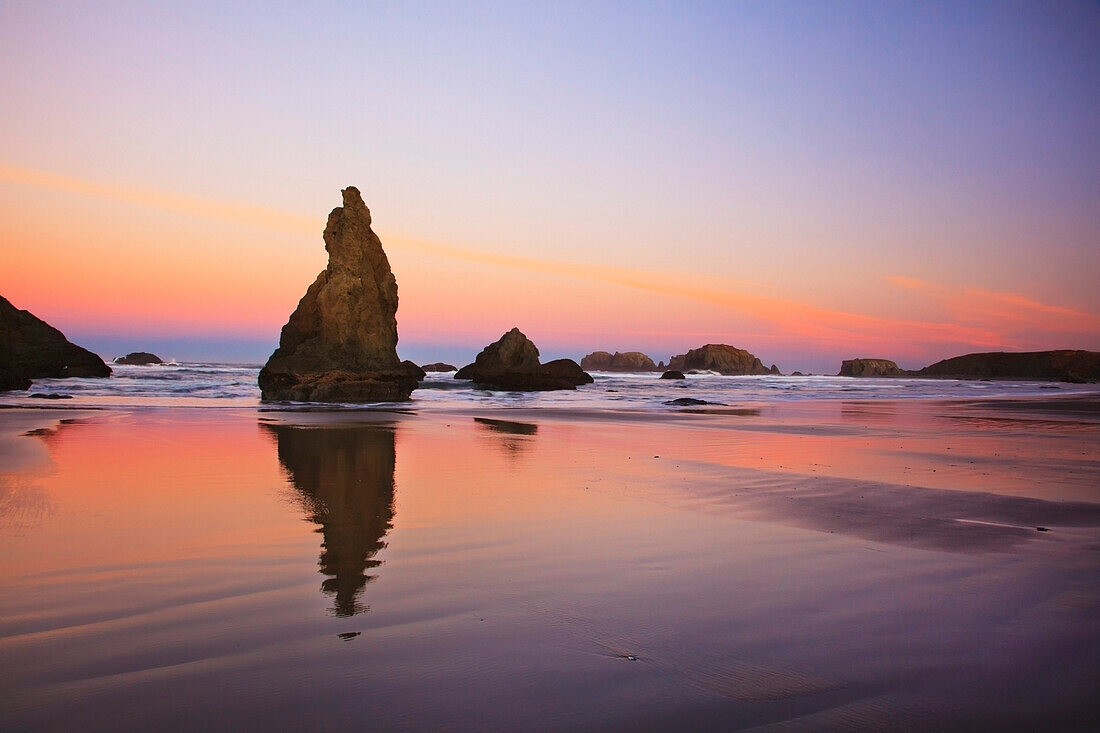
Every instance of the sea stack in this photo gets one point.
(139, 358)
(512, 364)
(340, 344)
(30, 349)
(869, 368)
(721, 358)
(629, 361)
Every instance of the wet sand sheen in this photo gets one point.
(516, 569)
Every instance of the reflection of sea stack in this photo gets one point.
(345, 477)
(340, 344)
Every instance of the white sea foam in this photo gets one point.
(232, 385)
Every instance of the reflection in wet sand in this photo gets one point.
(345, 479)
(939, 519)
(512, 435)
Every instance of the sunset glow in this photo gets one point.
(602, 229)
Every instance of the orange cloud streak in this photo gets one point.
(794, 319)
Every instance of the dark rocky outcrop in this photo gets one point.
(720, 358)
(340, 344)
(1061, 365)
(869, 368)
(139, 357)
(673, 374)
(689, 402)
(439, 366)
(512, 364)
(628, 361)
(30, 349)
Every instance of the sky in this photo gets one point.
(808, 181)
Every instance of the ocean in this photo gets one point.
(234, 385)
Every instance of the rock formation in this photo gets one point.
(720, 358)
(30, 349)
(512, 364)
(673, 374)
(1062, 365)
(629, 361)
(139, 357)
(869, 368)
(340, 344)
(439, 366)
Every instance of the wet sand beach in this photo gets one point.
(825, 564)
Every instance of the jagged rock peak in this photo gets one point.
(340, 344)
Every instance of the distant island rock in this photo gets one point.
(139, 357)
(628, 361)
(1062, 365)
(869, 368)
(30, 349)
(512, 364)
(721, 358)
(673, 374)
(439, 366)
(340, 344)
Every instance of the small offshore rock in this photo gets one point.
(673, 374)
(439, 366)
(869, 368)
(722, 358)
(139, 357)
(628, 361)
(511, 363)
(689, 402)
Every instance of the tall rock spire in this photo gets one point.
(340, 344)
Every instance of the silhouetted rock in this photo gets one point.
(868, 368)
(413, 370)
(719, 358)
(512, 364)
(629, 361)
(568, 370)
(139, 357)
(439, 366)
(673, 374)
(773, 369)
(1061, 365)
(30, 349)
(689, 402)
(340, 344)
